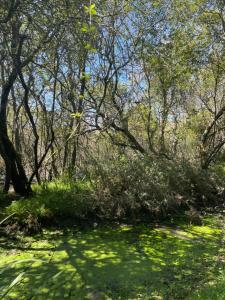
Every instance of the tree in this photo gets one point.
(20, 42)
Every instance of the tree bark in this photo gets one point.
(15, 172)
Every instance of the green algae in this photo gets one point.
(128, 262)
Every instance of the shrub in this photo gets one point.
(218, 176)
(130, 189)
(55, 200)
(156, 187)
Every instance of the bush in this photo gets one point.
(123, 189)
(156, 187)
(218, 176)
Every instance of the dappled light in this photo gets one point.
(112, 149)
(126, 262)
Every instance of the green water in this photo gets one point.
(142, 262)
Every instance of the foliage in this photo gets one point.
(58, 200)
(153, 187)
(133, 190)
(112, 112)
(147, 77)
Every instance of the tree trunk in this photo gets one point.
(15, 172)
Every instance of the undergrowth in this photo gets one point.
(134, 191)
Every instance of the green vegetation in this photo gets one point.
(112, 149)
(134, 191)
(125, 262)
(55, 200)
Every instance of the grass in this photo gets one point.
(55, 200)
(127, 262)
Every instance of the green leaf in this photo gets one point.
(85, 76)
(90, 9)
(86, 8)
(88, 46)
(14, 282)
(76, 115)
(84, 28)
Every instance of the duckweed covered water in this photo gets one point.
(128, 262)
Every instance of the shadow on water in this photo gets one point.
(124, 263)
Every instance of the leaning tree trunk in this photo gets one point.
(15, 172)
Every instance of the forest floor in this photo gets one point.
(126, 262)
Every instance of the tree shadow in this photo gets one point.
(123, 263)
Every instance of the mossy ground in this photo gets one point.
(127, 262)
